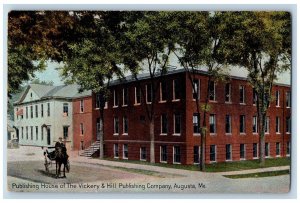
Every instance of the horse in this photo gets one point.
(61, 158)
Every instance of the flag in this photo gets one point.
(20, 112)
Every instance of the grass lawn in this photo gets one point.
(219, 167)
(259, 175)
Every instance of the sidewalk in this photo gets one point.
(182, 172)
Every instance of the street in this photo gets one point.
(26, 173)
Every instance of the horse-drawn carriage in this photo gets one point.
(56, 155)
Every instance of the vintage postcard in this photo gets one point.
(149, 101)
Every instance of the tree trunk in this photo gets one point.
(202, 153)
(152, 154)
(262, 127)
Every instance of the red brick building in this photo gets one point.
(232, 121)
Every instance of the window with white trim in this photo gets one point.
(125, 96)
(42, 133)
(116, 99)
(255, 151)
(66, 132)
(267, 149)
(125, 151)
(177, 123)
(81, 106)
(163, 91)
(116, 125)
(42, 110)
(176, 89)
(228, 92)
(212, 153)
(31, 132)
(277, 149)
(288, 148)
(163, 153)
(149, 93)
(242, 151)
(196, 154)
(242, 124)
(212, 124)
(36, 111)
(196, 89)
(125, 125)
(26, 111)
(277, 95)
(31, 111)
(116, 151)
(65, 109)
(137, 91)
(228, 124)
(277, 127)
(212, 91)
(288, 99)
(26, 132)
(254, 124)
(228, 152)
(143, 153)
(48, 109)
(196, 123)
(176, 154)
(36, 132)
(164, 124)
(242, 94)
(288, 124)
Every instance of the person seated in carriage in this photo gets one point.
(58, 144)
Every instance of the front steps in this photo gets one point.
(88, 152)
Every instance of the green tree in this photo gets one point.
(198, 40)
(148, 45)
(261, 43)
(93, 59)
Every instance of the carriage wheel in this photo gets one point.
(47, 167)
(68, 167)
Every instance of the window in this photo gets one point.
(242, 124)
(177, 124)
(277, 125)
(288, 99)
(26, 132)
(267, 149)
(66, 131)
(31, 111)
(116, 125)
(26, 112)
(288, 148)
(81, 129)
(22, 133)
(212, 91)
(163, 91)
(242, 94)
(277, 94)
(254, 96)
(228, 124)
(242, 151)
(254, 124)
(196, 154)
(143, 153)
(42, 110)
(42, 133)
(149, 93)
(81, 106)
(255, 151)
(31, 132)
(212, 124)
(267, 124)
(137, 91)
(125, 96)
(176, 89)
(288, 124)
(116, 99)
(163, 153)
(164, 124)
(36, 132)
(36, 111)
(65, 109)
(212, 153)
(277, 149)
(48, 109)
(228, 152)
(125, 125)
(196, 89)
(97, 102)
(228, 92)
(125, 151)
(116, 151)
(176, 153)
(196, 123)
